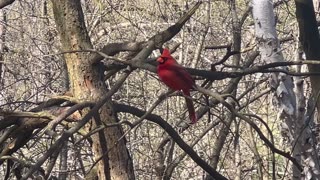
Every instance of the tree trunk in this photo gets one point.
(63, 166)
(236, 33)
(310, 41)
(282, 84)
(2, 43)
(86, 84)
(291, 103)
(220, 141)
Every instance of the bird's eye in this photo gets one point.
(161, 60)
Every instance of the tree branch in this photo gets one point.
(175, 136)
(65, 135)
(252, 124)
(4, 3)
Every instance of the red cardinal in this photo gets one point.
(176, 77)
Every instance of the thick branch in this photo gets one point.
(214, 75)
(4, 3)
(175, 136)
(114, 48)
(154, 42)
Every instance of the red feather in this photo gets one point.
(176, 77)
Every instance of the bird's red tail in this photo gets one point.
(192, 114)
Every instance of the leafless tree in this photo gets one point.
(80, 98)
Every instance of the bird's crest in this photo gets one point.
(166, 53)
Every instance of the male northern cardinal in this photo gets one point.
(176, 77)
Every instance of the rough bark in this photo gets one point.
(310, 42)
(86, 84)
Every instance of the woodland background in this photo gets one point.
(80, 97)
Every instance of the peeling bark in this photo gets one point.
(288, 95)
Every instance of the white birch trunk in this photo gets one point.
(291, 104)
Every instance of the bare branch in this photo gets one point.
(175, 136)
(252, 124)
(65, 135)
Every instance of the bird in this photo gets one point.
(177, 78)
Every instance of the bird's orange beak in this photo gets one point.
(160, 60)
